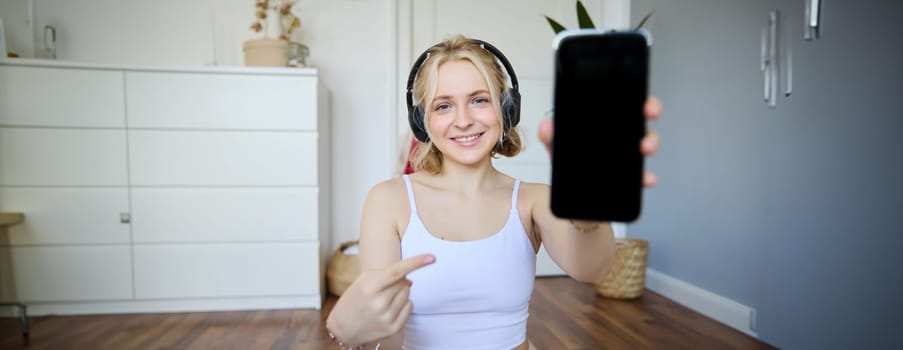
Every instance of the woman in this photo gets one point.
(448, 253)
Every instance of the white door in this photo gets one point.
(520, 31)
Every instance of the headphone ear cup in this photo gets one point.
(415, 118)
(511, 109)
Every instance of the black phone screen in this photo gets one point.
(599, 92)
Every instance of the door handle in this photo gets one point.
(765, 64)
(811, 19)
(769, 63)
(787, 65)
(776, 61)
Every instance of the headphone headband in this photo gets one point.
(487, 46)
(511, 115)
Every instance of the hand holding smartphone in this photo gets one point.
(600, 88)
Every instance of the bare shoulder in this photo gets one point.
(385, 210)
(379, 233)
(387, 188)
(534, 190)
(390, 195)
(533, 197)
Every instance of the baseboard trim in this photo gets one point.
(724, 310)
(166, 306)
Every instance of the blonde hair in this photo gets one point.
(427, 157)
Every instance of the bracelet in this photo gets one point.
(589, 229)
(342, 344)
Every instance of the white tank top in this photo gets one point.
(477, 293)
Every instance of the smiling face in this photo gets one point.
(462, 119)
(458, 87)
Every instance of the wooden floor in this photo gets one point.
(564, 314)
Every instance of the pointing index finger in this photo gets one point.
(401, 269)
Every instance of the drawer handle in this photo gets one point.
(125, 218)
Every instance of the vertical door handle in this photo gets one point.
(769, 59)
(787, 65)
(811, 25)
(765, 65)
(772, 56)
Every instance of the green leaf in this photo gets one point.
(646, 18)
(557, 27)
(583, 17)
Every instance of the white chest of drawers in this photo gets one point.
(152, 189)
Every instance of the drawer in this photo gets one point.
(37, 96)
(86, 273)
(226, 270)
(224, 214)
(223, 158)
(221, 101)
(58, 157)
(67, 215)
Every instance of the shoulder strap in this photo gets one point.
(407, 183)
(514, 194)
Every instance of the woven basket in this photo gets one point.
(627, 277)
(342, 269)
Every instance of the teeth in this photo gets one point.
(466, 138)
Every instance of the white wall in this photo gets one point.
(351, 43)
(15, 15)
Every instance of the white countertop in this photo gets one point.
(31, 62)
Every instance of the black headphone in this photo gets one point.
(510, 105)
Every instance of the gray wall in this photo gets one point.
(795, 211)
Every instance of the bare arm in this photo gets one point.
(376, 305)
(379, 243)
(583, 250)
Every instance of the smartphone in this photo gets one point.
(600, 88)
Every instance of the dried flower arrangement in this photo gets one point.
(275, 13)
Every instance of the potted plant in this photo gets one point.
(585, 22)
(273, 18)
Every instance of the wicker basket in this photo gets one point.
(342, 269)
(627, 277)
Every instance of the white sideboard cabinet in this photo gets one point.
(163, 189)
